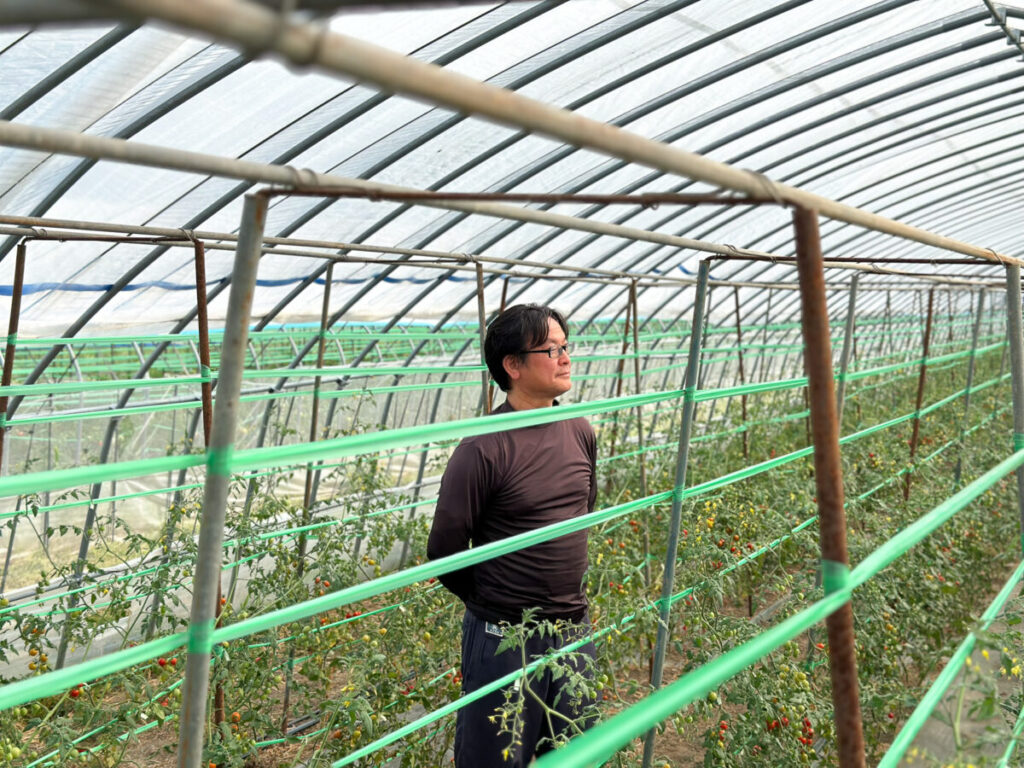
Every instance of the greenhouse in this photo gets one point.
(252, 253)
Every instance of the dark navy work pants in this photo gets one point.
(477, 741)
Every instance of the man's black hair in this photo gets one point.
(518, 328)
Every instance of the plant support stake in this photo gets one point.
(921, 379)
(211, 533)
(8, 372)
(828, 478)
(668, 580)
(967, 388)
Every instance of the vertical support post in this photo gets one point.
(1015, 333)
(844, 364)
(8, 373)
(743, 378)
(206, 394)
(970, 382)
(922, 376)
(307, 491)
(764, 339)
(481, 319)
(949, 334)
(828, 480)
(501, 308)
(616, 390)
(204, 339)
(218, 476)
(12, 339)
(668, 580)
(642, 455)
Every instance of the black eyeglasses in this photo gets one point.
(553, 352)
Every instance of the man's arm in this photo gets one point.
(461, 500)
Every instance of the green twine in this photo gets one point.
(1018, 441)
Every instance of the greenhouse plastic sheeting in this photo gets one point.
(903, 108)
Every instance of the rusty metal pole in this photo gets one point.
(922, 376)
(501, 308)
(967, 387)
(743, 378)
(204, 339)
(949, 334)
(828, 479)
(206, 394)
(12, 341)
(481, 319)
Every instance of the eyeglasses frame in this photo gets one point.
(562, 349)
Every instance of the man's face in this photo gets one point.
(541, 377)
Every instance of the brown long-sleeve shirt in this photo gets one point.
(505, 483)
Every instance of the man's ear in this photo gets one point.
(511, 365)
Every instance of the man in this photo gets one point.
(506, 483)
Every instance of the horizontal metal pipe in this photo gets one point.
(645, 199)
(42, 229)
(136, 153)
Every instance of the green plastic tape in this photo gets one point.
(1018, 441)
(40, 686)
(835, 576)
(218, 460)
(12, 338)
(200, 637)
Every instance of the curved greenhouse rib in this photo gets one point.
(305, 45)
(735, 215)
(65, 70)
(162, 108)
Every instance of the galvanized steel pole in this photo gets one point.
(828, 479)
(218, 476)
(844, 364)
(743, 378)
(308, 492)
(642, 455)
(668, 580)
(8, 372)
(12, 340)
(1015, 332)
